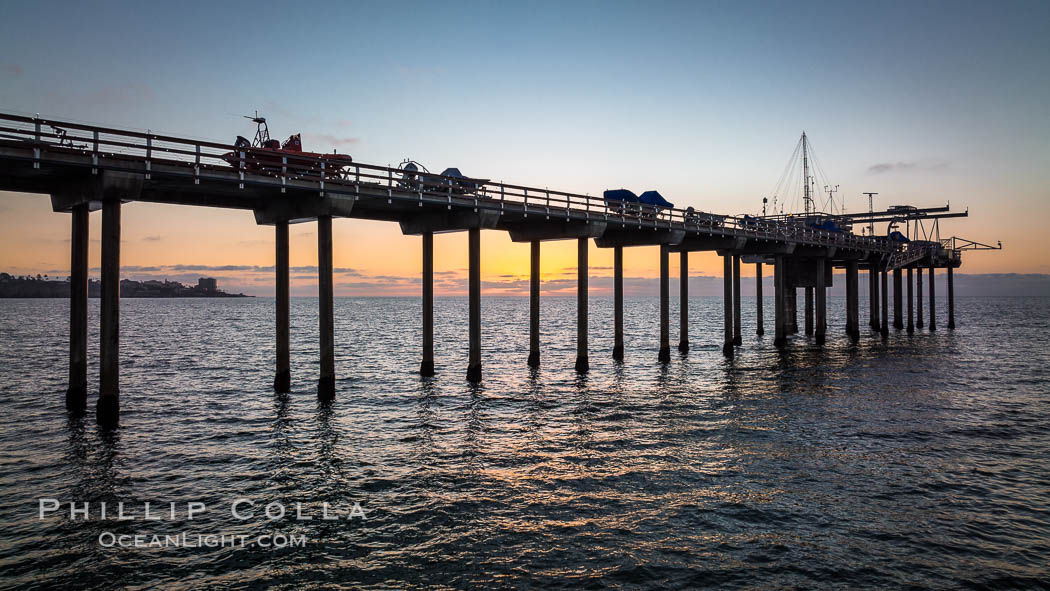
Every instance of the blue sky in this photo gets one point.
(703, 101)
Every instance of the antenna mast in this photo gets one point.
(805, 173)
(871, 215)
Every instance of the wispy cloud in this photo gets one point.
(13, 70)
(907, 165)
(332, 140)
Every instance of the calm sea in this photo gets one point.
(920, 461)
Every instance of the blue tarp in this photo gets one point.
(826, 225)
(898, 237)
(654, 198)
(620, 195)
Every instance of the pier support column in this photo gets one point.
(809, 311)
(884, 327)
(822, 304)
(107, 410)
(791, 300)
(582, 364)
(326, 308)
(873, 297)
(911, 300)
(618, 303)
(918, 297)
(665, 288)
(683, 303)
(534, 306)
(852, 301)
(737, 337)
(779, 313)
(474, 304)
(758, 297)
(727, 307)
(426, 366)
(282, 380)
(951, 298)
(76, 394)
(933, 302)
(898, 309)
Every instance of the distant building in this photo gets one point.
(208, 284)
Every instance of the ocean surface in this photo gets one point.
(919, 461)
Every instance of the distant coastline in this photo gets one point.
(27, 286)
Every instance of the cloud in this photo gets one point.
(152, 238)
(13, 70)
(902, 165)
(330, 139)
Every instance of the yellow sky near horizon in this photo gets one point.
(375, 258)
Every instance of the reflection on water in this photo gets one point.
(915, 460)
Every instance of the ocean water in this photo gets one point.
(919, 461)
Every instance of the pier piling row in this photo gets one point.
(114, 167)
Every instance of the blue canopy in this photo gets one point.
(898, 237)
(620, 195)
(654, 198)
(828, 225)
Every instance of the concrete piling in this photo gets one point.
(683, 302)
(951, 298)
(758, 297)
(426, 366)
(665, 288)
(821, 304)
(618, 303)
(852, 301)
(326, 308)
(809, 311)
(779, 302)
(791, 301)
(884, 327)
(76, 394)
(898, 308)
(474, 298)
(582, 363)
(918, 297)
(107, 410)
(282, 380)
(727, 298)
(933, 302)
(534, 305)
(911, 305)
(873, 297)
(737, 337)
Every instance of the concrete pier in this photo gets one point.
(951, 298)
(791, 301)
(474, 297)
(821, 304)
(582, 363)
(727, 307)
(779, 302)
(884, 327)
(852, 303)
(618, 303)
(918, 297)
(665, 297)
(534, 305)
(759, 330)
(426, 366)
(933, 302)
(737, 337)
(76, 394)
(911, 305)
(873, 297)
(898, 308)
(809, 311)
(683, 302)
(107, 410)
(282, 380)
(326, 308)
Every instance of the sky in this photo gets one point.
(922, 102)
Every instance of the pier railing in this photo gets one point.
(198, 160)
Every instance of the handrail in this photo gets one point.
(336, 176)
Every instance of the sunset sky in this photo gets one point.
(923, 102)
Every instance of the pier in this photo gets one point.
(86, 168)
